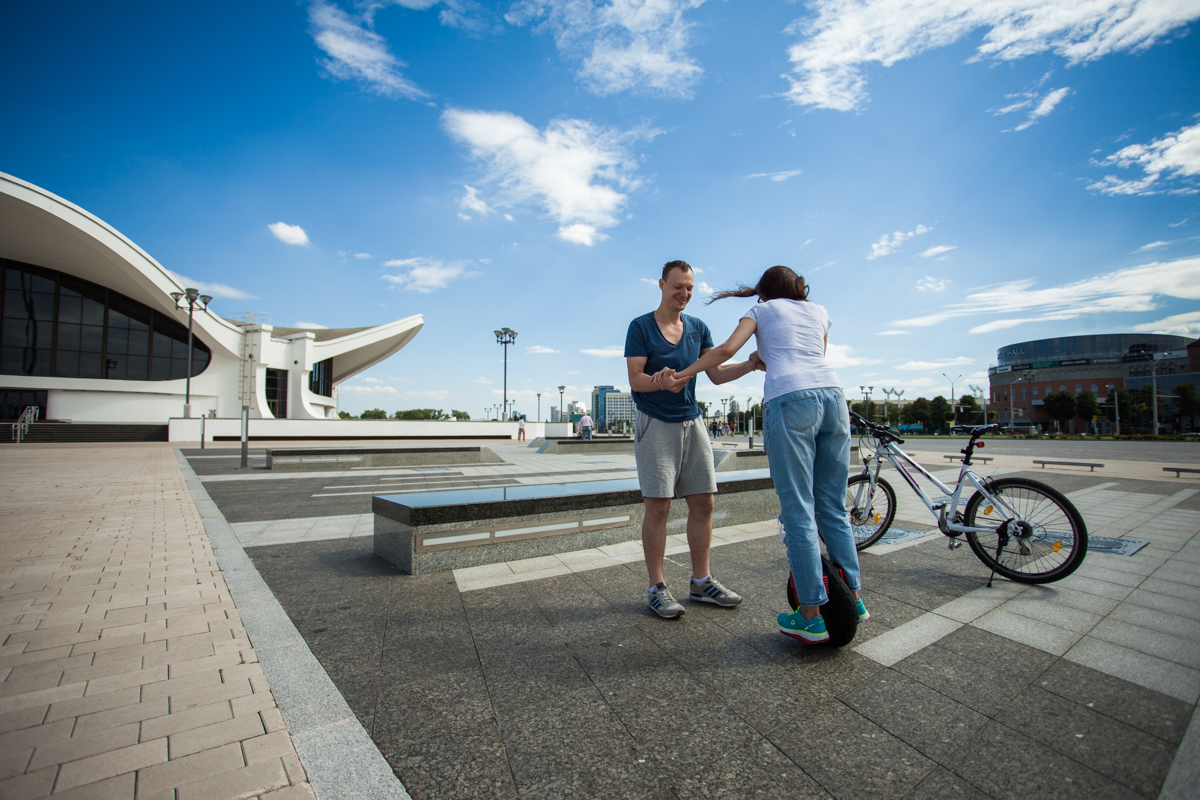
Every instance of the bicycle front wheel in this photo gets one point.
(871, 514)
(1040, 537)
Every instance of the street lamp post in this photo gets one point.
(505, 337)
(953, 401)
(561, 389)
(1112, 390)
(1154, 358)
(191, 295)
(977, 391)
(539, 394)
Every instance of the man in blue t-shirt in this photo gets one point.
(674, 456)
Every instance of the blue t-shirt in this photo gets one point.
(645, 340)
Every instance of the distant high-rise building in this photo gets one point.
(576, 409)
(618, 409)
(554, 414)
(598, 404)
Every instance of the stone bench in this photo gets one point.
(984, 459)
(562, 447)
(434, 531)
(321, 459)
(1091, 464)
(1178, 470)
(733, 460)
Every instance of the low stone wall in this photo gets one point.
(734, 460)
(586, 446)
(313, 459)
(434, 531)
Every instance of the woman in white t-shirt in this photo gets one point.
(806, 430)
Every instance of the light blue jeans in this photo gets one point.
(585, 433)
(807, 438)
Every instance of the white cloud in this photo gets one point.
(930, 284)
(574, 372)
(372, 389)
(1127, 290)
(937, 250)
(638, 45)
(777, 176)
(612, 351)
(482, 379)
(892, 333)
(889, 244)
(842, 355)
(426, 274)
(362, 255)
(573, 169)
(372, 380)
(289, 234)
(845, 37)
(1152, 246)
(471, 201)
(214, 289)
(1044, 107)
(540, 349)
(316, 326)
(925, 366)
(358, 53)
(1187, 324)
(1174, 156)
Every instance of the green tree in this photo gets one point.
(1118, 400)
(460, 415)
(969, 412)
(374, 413)
(1061, 406)
(346, 415)
(1086, 406)
(703, 408)
(421, 413)
(939, 413)
(916, 413)
(1187, 403)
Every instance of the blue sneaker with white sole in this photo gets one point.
(796, 626)
(863, 614)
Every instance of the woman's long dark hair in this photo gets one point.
(777, 283)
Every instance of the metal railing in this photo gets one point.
(20, 428)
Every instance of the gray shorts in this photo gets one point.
(674, 459)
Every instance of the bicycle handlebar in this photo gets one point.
(885, 433)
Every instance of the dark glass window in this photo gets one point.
(13, 402)
(277, 392)
(320, 380)
(56, 324)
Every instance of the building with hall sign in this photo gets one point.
(1028, 371)
(90, 332)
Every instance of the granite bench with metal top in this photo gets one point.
(311, 459)
(1178, 470)
(1091, 464)
(613, 444)
(434, 531)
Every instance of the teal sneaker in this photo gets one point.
(806, 630)
(863, 614)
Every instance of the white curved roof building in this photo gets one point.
(89, 332)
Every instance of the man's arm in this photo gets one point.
(639, 381)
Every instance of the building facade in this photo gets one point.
(1028, 371)
(618, 410)
(90, 332)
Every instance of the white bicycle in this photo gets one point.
(1021, 529)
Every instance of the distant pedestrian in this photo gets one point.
(585, 427)
(520, 429)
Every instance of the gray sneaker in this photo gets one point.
(663, 603)
(711, 591)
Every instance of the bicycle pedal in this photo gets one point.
(954, 545)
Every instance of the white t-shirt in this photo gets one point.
(791, 342)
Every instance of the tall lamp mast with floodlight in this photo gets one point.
(191, 296)
(505, 337)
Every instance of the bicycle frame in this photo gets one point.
(944, 509)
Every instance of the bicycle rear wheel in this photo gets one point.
(869, 527)
(1046, 540)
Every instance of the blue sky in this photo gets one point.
(949, 181)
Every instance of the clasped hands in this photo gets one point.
(667, 379)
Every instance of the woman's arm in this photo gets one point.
(721, 353)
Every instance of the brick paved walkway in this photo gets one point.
(125, 668)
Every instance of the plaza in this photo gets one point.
(175, 627)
